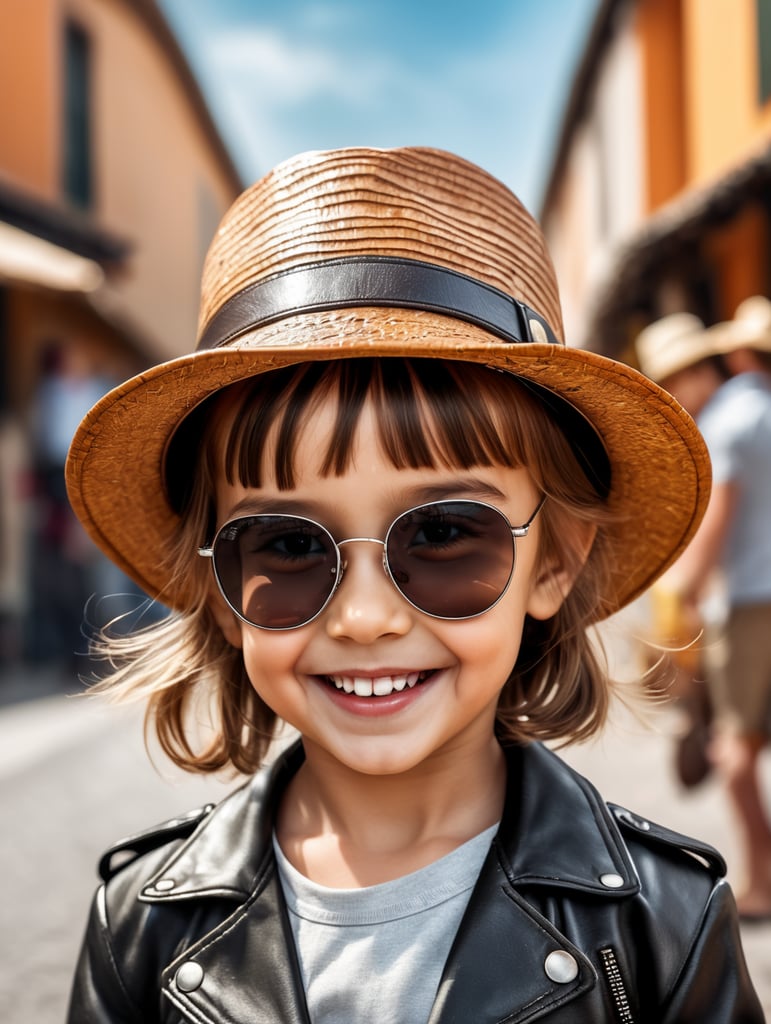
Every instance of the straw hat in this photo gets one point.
(750, 327)
(672, 344)
(369, 252)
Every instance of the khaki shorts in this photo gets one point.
(741, 680)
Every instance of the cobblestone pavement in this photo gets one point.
(74, 777)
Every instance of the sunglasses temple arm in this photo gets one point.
(522, 531)
(206, 552)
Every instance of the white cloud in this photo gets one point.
(343, 18)
(286, 73)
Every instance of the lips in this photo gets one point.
(377, 686)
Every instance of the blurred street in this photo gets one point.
(74, 777)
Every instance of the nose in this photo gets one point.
(366, 605)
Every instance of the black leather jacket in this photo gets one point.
(582, 913)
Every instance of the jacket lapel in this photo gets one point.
(497, 967)
(248, 967)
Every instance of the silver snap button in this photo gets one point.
(164, 885)
(189, 976)
(612, 881)
(537, 332)
(561, 967)
(640, 823)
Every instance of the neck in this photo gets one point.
(345, 829)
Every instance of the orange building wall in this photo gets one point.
(153, 164)
(159, 183)
(702, 114)
(721, 84)
(659, 29)
(30, 71)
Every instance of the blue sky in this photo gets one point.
(485, 79)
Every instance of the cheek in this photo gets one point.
(270, 659)
(498, 633)
(490, 643)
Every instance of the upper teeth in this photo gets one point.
(380, 686)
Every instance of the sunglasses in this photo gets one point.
(449, 559)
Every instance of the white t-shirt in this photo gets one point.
(377, 953)
(736, 424)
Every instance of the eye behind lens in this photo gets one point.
(275, 572)
(451, 559)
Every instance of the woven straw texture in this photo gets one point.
(413, 203)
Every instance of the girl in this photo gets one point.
(386, 502)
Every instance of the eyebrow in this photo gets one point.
(462, 487)
(255, 505)
(411, 497)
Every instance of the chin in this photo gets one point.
(380, 759)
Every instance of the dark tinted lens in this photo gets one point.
(275, 571)
(452, 559)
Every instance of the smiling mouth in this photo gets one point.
(379, 686)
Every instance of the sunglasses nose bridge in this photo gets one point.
(358, 540)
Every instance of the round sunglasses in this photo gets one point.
(449, 559)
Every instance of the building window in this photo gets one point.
(77, 168)
(764, 49)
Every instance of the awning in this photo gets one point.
(27, 259)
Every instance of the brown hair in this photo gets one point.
(429, 413)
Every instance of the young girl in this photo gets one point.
(386, 502)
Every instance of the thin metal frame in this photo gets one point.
(207, 551)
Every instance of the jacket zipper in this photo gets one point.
(616, 985)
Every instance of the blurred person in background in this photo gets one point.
(13, 537)
(676, 352)
(62, 559)
(735, 535)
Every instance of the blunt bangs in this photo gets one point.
(429, 414)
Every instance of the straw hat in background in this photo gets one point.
(407, 252)
(749, 328)
(672, 344)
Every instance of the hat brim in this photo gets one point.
(660, 466)
(672, 363)
(731, 335)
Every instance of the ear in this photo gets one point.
(225, 617)
(554, 580)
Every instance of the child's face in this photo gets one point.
(369, 631)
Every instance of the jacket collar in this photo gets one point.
(557, 830)
(555, 833)
(231, 847)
